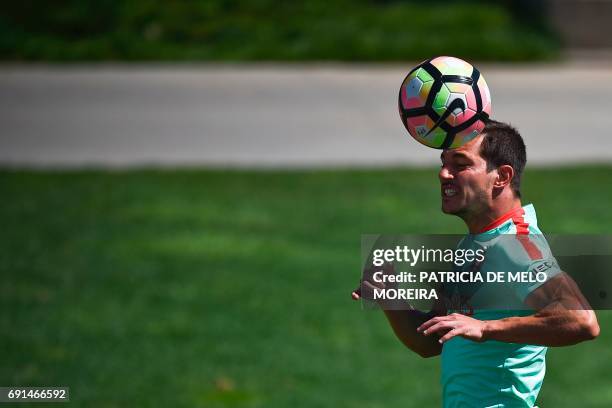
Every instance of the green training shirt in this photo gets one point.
(492, 373)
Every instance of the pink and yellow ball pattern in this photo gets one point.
(444, 102)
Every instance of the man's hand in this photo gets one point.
(368, 283)
(452, 325)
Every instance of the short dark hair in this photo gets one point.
(503, 145)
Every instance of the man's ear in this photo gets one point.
(505, 174)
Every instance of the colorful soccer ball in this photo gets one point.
(444, 102)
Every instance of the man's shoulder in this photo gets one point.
(517, 250)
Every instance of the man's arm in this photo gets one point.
(404, 324)
(553, 327)
(563, 318)
(403, 319)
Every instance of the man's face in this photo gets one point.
(466, 186)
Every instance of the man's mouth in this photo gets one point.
(449, 190)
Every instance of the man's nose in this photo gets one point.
(444, 174)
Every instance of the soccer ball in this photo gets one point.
(444, 102)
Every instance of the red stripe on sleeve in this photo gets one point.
(522, 232)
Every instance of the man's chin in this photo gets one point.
(450, 209)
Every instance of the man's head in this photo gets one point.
(483, 172)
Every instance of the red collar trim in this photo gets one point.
(516, 213)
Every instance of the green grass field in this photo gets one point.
(266, 30)
(198, 288)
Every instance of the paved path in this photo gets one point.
(276, 116)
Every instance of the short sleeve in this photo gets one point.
(539, 272)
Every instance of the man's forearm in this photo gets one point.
(547, 329)
(404, 323)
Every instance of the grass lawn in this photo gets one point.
(200, 288)
(265, 30)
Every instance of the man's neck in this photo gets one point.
(477, 223)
